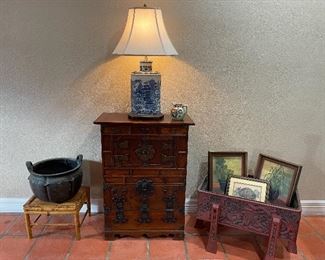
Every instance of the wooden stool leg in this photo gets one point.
(28, 226)
(274, 234)
(88, 201)
(77, 225)
(213, 234)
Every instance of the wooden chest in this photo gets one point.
(144, 171)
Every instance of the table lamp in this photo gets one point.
(145, 35)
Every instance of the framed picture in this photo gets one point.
(225, 164)
(248, 188)
(283, 178)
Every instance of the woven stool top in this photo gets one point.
(76, 203)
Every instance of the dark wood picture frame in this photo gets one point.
(219, 186)
(276, 195)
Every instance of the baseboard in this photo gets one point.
(12, 205)
(190, 205)
(313, 207)
(15, 205)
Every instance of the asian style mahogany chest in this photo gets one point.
(144, 171)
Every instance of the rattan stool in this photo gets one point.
(71, 207)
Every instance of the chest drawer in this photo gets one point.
(156, 199)
(151, 151)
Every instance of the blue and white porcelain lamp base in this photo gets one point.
(145, 93)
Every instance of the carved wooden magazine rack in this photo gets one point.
(248, 215)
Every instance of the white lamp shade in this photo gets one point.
(145, 34)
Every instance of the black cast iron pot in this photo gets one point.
(55, 180)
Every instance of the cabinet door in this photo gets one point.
(163, 208)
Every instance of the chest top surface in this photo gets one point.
(122, 118)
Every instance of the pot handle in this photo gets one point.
(79, 158)
(29, 166)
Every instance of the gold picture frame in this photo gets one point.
(248, 188)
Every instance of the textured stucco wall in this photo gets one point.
(252, 73)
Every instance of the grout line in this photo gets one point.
(223, 248)
(31, 248)
(16, 235)
(109, 250)
(315, 234)
(313, 228)
(13, 222)
(301, 253)
(308, 224)
(69, 249)
(148, 249)
(186, 249)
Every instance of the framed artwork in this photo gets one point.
(248, 188)
(225, 164)
(283, 178)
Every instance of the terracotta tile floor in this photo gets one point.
(58, 242)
